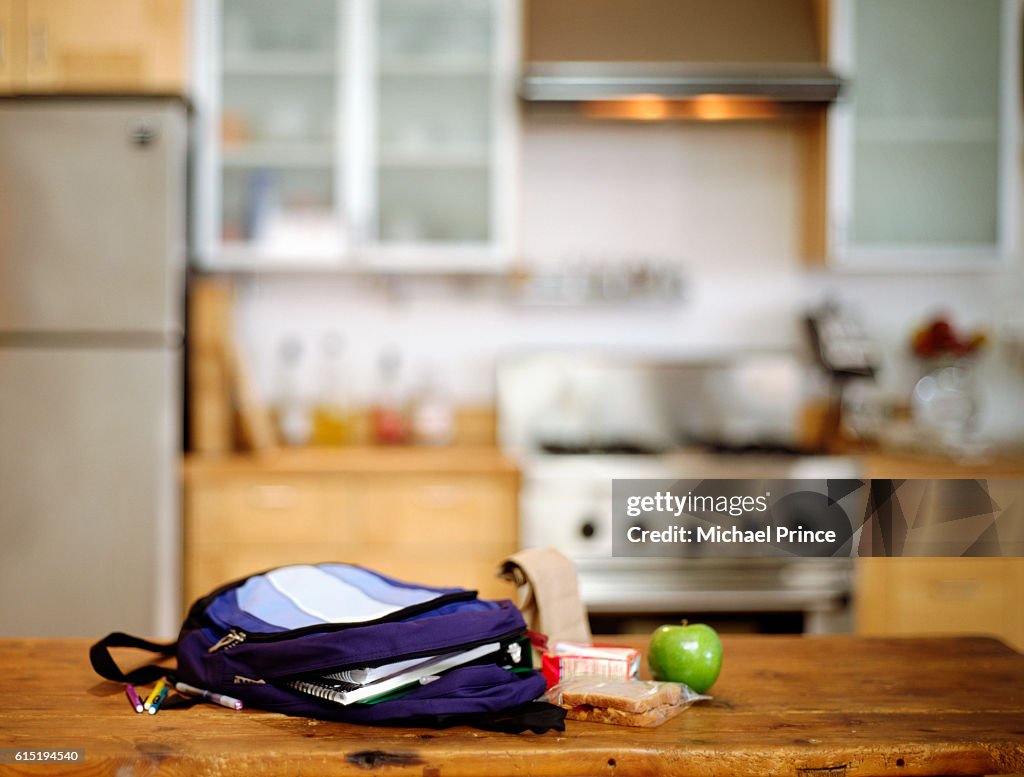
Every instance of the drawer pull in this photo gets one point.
(440, 497)
(956, 590)
(274, 497)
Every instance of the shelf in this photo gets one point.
(430, 68)
(276, 63)
(910, 130)
(304, 155)
(433, 158)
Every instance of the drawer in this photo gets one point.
(949, 595)
(268, 510)
(467, 510)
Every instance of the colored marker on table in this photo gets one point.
(216, 698)
(133, 697)
(161, 684)
(154, 708)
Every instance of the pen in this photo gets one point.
(161, 684)
(154, 708)
(216, 698)
(133, 698)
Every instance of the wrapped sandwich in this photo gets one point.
(621, 702)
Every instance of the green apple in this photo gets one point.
(690, 653)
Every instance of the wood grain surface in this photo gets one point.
(783, 706)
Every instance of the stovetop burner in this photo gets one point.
(613, 448)
(631, 448)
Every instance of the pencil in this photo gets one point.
(217, 698)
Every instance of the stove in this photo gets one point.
(566, 497)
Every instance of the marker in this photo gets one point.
(216, 698)
(154, 708)
(161, 684)
(133, 698)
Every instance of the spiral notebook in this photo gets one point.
(336, 688)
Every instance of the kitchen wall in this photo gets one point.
(722, 201)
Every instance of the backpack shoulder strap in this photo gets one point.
(106, 667)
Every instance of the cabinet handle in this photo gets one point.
(955, 590)
(39, 44)
(440, 497)
(274, 497)
(3, 46)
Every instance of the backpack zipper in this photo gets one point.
(232, 638)
(236, 636)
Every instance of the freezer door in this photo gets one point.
(92, 202)
(89, 526)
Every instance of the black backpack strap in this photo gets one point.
(106, 667)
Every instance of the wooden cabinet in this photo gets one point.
(113, 46)
(438, 517)
(941, 595)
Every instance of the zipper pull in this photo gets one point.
(515, 652)
(232, 638)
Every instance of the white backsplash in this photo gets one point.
(724, 201)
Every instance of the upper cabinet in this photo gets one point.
(103, 46)
(923, 145)
(340, 133)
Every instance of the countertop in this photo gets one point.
(477, 459)
(803, 706)
(366, 459)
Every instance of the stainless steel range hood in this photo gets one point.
(676, 50)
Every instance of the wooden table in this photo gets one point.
(783, 706)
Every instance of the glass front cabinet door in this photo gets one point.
(924, 140)
(340, 133)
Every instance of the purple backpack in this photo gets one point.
(257, 638)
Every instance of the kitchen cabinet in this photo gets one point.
(8, 76)
(914, 596)
(354, 133)
(941, 595)
(923, 145)
(444, 517)
(103, 46)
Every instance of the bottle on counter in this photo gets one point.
(293, 416)
(333, 417)
(390, 416)
(433, 420)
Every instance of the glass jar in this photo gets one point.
(945, 401)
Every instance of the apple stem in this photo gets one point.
(686, 622)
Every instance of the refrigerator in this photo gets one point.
(92, 250)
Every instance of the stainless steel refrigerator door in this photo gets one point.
(88, 491)
(92, 231)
